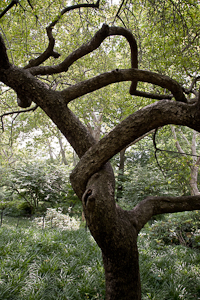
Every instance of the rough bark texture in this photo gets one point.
(114, 229)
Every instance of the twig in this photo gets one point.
(117, 14)
(13, 2)
(16, 112)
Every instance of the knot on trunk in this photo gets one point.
(88, 200)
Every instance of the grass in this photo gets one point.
(168, 272)
(67, 265)
(49, 264)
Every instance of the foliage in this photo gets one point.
(36, 183)
(143, 176)
(179, 229)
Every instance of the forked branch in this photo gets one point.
(50, 49)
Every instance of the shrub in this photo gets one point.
(55, 218)
(179, 229)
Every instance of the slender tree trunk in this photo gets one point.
(64, 160)
(193, 180)
(194, 168)
(1, 218)
(120, 178)
(75, 158)
(50, 150)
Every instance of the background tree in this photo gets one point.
(114, 229)
(193, 162)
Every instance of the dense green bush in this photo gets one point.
(179, 229)
(38, 186)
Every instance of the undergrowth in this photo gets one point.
(47, 264)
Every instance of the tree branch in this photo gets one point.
(73, 7)
(134, 126)
(13, 2)
(118, 75)
(152, 206)
(89, 47)
(190, 89)
(49, 51)
(46, 54)
(152, 96)
(4, 61)
(178, 146)
(117, 14)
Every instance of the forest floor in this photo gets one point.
(55, 263)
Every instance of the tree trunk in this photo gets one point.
(193, 180)
(62, 151)
(194, 168)
(115, 232)
(122, 275)
(50, 151)
(1, 222)
(120, 178)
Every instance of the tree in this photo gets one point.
(114, 229)
(194, 165)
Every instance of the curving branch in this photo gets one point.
(151, 117)
(119, 75)
(152, 206)
(89, 47)
(46, 54)
(50, 49)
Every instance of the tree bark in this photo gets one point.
(115, 232)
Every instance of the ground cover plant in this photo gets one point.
(49, 264)
(67, 264)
